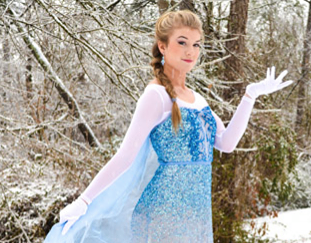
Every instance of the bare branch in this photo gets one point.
(112, 5)
(87, 45)
(33, 128)
(61, 88)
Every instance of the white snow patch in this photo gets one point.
(289, 226)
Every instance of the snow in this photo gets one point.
(289, 226)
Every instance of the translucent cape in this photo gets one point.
(108, 218)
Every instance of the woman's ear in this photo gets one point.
(161, 47)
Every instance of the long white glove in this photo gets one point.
(268, 85)
(72, 212)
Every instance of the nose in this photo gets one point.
(190, 51)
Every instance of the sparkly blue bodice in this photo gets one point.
(176, 204)
(193, 143)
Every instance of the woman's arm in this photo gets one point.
(149, 111)
(227, 139)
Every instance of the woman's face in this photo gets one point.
(183, 49)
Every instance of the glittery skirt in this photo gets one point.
(175, 206)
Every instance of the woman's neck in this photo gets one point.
(177, 77)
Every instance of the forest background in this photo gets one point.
(71, 74)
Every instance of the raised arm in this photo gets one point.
(227, 138)
(149, 110)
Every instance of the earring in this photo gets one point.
(162, 61)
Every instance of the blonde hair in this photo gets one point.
(164, 27)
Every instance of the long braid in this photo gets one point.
(158, 71)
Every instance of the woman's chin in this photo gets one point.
(187, 70)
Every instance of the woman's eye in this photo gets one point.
(182, 43)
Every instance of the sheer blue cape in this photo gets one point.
(108, 217)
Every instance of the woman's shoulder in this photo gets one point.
(155, 84)
(155, 87)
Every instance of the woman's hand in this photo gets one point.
(72, 212)
(268, 85)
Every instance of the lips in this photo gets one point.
(187, 60)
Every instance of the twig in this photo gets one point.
(14, 216)
(61, 88)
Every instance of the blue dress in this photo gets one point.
(165, 196)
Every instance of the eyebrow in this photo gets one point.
(187, 38)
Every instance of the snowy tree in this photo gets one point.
(72, 72)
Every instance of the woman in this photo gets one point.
(157, 187)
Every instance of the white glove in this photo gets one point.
(268, 85)
(72, 212)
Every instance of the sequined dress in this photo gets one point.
(176, 204)
(157, 188)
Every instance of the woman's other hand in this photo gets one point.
(268, 85)
(72, 212)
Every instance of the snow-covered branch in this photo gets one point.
(61, 88)
(89, 47)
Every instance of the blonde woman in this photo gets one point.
(157, 187)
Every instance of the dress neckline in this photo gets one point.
(186, 102)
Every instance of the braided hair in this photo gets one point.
(164, 27)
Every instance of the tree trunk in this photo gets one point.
(6, 57)
(208, 24)
(303, 85)
(163, 5)
(29, 78)
(237, 29)
(187, 4)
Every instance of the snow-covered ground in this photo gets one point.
(290, 226)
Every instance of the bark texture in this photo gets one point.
(303, 83)
(187, 4)
(236, 45)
